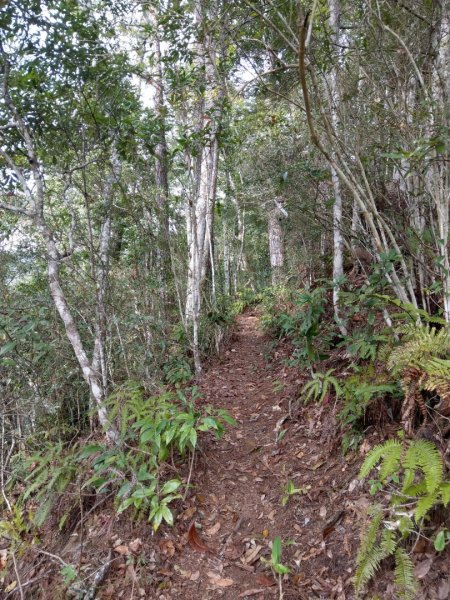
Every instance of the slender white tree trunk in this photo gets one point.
(276, 245)
(226, 258)
(200, 204)
(338, 242)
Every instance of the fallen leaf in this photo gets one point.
(323, 511)
(195, 576)
(353, 485)
(271, 515)
(422, 568)
(109, 591)
(265, 533)
(167, 547)
(234, 552)
(421, 546)
(219, 581)
(251, 555)
(195, 540)
(122, 550)
(214, 529)
(130, 571)
(249, 593)
(318, 465)
(365, 447)
(189, 513)
(135, 545)
(313, 552)
(264, 580)
(331, 525)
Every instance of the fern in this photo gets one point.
(437, 377)
(415, 472)
(368, 558)
(420, 363)
(404, 575)
(419, 344)
(424, 505)
(445, 493)
(389, 452)
(423, 455)
(319, 386)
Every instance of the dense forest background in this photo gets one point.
(166, 164)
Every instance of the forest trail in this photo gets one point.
(238, 489)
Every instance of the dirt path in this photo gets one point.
(239, 484)
(235, 505)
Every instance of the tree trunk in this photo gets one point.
(200, 206)
(276, 246)
(338, 242)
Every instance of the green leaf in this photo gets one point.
(124, 489)
(7, 347)
(69, 574)
(89, 451)
(281, 569)
(228, 418)
(439, 541)
(148, 435)
(276, 550)
(193, 437)
(157, 518)
(170, 486)
(167, 514)
(42, 512)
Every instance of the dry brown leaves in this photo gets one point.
(218, 581)
(195, 541)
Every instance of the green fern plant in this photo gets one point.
(411, 477)
(420, 362)
(319, 386)
(418, 345)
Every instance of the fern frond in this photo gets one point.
(389, 452)
(445, 493)
(368, 557)
(418, 345)
(424, 455)
(405, 525)
(416, 489)
(404, 575)
(425, 504)
(388, 542)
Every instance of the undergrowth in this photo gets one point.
(156, 434)
(392, 361)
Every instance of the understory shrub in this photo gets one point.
(152, 431)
